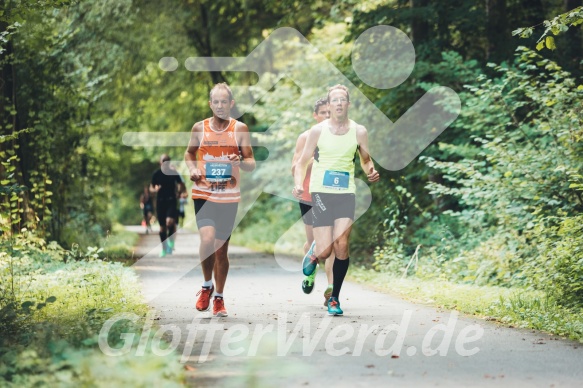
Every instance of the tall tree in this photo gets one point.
(419, 23)
(573, 42)
(497, 31)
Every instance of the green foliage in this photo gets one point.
(559, 266)
(53, 304)
(556, 26)
(392, 256)
(518, 308)
(119, 245)
(516, 194)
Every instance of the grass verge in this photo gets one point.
(53, 306)
(509, 306)
(119, 245)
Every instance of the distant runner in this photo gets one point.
(181, 208)
(166, 182)
(147, 208)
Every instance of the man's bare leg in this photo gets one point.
(221, 264)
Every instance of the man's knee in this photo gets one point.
(341, 247)
(222, 251)
(207, 238)
(323, 254)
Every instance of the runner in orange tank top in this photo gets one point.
(219, 148)
(219, 181)
(321, 113)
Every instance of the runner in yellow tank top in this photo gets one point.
(219, 146)
(335, 142)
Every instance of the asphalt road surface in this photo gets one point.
(275, 335)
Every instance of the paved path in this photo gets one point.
(277, 336)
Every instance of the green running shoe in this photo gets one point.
(163, 253)
(328, 294)
(170, 244)
(308, 282)
(310, 261)
(334, 307)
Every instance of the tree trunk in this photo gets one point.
(573, 42)
(8, 91)
(497, 31)
(419, 24)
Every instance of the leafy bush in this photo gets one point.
(527, 126)
(507, 193)
(53, 304)
(559, 266)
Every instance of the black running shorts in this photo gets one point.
(166, 208)
(220, 216)
(329, 207)
(306, 210)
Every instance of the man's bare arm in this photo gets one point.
(365, 161)
(190, 154)
(302, 163)
(300, 143)
(247, 161)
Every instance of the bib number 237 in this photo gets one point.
(218, 172)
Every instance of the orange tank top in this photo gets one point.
(220, 179)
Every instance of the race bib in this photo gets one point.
(218, 172)
(336, 180)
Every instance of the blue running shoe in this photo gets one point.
(310, 260)
(334, 307)
(308, 282)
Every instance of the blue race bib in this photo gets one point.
(218, 172)
(336, 180)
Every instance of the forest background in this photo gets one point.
(496, 200)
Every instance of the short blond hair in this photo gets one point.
(221, 85)
(338, 87)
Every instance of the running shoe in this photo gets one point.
(219, 309)
(204, 298)
(310, 260)
(170, 244)
(328, 294)
(308, 282)
(334, 306)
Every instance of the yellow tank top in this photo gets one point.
(333, 168)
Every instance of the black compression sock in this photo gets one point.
(339, 270)
(162, 236)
